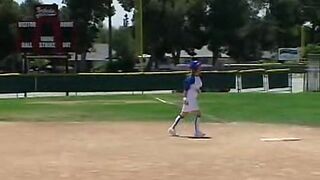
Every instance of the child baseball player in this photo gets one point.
(192, 85)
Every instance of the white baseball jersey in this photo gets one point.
(192, 86)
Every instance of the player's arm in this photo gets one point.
(185, 93)
(185, 101)
(187, 85)
(199, 90)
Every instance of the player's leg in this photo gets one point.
(185, 110)
(172, 129)
(197, 131)
(193, 107)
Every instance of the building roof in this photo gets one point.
(98, 52)
(203, 52)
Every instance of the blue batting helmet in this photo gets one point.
(194, 65)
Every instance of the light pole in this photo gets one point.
(110, 29)
(303, 37)
(139, 31)
(303, 42)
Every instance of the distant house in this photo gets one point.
(204, 55)
(96, 57)
(99, 52)
(268, 55)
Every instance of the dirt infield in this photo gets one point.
(143, 151)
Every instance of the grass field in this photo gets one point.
(302, 109)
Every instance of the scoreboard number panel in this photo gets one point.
(68, 34)
(26, 35)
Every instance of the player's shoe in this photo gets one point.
(199, 134)
(172, 132)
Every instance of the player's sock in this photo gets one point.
(196, 124)
(176, 121)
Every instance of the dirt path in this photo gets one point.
(143, 151)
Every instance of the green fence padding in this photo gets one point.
(278, 80)
(219, 82)
(16, 84)
(98, 83)
(252, 79)
(213, 81)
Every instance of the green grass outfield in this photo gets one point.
(303, 109)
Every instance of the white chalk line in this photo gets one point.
(164, 101)
(280, 139)
(211, 117)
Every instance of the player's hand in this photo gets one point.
(185, 101)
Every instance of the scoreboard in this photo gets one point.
(47, 34)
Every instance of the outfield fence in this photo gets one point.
(214, 81)
(264, 80)
(19, 83)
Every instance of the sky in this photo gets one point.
(117, 18)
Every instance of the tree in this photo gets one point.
(128, 5)
(286, 16)
(9, 15)
(27, 9)
(259, 33)
(123, 44)
(244, 27)
(102, 36)
(171, 26)
(191, 33)
(226, 19)
(88, 16)
(310, 12)
(124, 47)
(64, 14)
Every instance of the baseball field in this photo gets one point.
(125, 137)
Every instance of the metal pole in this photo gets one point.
(303, 41)
(76, 63)
(67, 71)
(23, 63)
(139, 31)
(25, 70)
(110, 30)
(67, 65)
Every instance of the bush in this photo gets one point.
(120, 65)
(11, 63)
(39, 64)
(123, 43)
(312, 49)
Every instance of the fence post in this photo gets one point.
(290, 76)
(238, 82)
(313, 77)
(266, 82)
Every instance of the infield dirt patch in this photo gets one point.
(144, 151)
